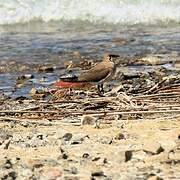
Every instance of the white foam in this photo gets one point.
(101, 11)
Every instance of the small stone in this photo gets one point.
(25, 173)
(4, 135)
(85, 155)
(139, 155)
(71, 178)
(60, 133)
(105, 140)
(51, 172)
(63, 154)
(96, 158)
(40, 136)
(120, 156)
(153, 60)
(179, 136)
(98, 174)
(33, 163)
(128, 155)
(67, 136)
(33, 91)
(45, 69)
(79, 138)
(153, 148)
(119, 136)
(5, 144)
(8, 164)
(26, 76)
(9, 175)
(154, 177)
(73, 170)
(87, 120)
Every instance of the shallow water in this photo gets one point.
(36, 44)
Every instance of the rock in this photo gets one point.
(25, 172)
(96, 158)
(90, 120)
(25, 124)
(105, 140)
(71, 178)
(130, 75)
(37, 94)
(128, 155)
(139, 155)
(79, 138)
(153, 148)
(162, 157)
(119, 136)
(67, 137)
(8, 164)
(168, 145)
(33, 91)
(154, 177)
(63, 154)
(45, 68)
(33, 163)
(87, 119)
(174, 154)
(4, 135)
(154, 60)
(121, 156)
(60, 133)
(8, 175)
(73, 170)
(5, 144)
(98, 174)
(26, 76)
(51, 172)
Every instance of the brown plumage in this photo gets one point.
(98, 74)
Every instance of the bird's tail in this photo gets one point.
(69, 78)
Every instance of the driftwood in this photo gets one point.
(95, 113)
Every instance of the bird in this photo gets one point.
(97, 75)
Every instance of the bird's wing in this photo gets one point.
(95, 75)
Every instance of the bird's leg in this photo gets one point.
(100, 89)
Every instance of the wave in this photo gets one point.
(102, 11)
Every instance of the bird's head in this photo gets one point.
(109, 57)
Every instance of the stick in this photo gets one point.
(24, 120)
(155, 86)
(96, 113)
(154, 95)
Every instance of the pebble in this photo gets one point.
(119, 136)
(45, 68)
(87, 120)
(153, 147)
(51, 173)
(79, 138)
(105, 140)
(98, 174)
(67, 137)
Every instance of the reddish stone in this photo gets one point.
(62, 84)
